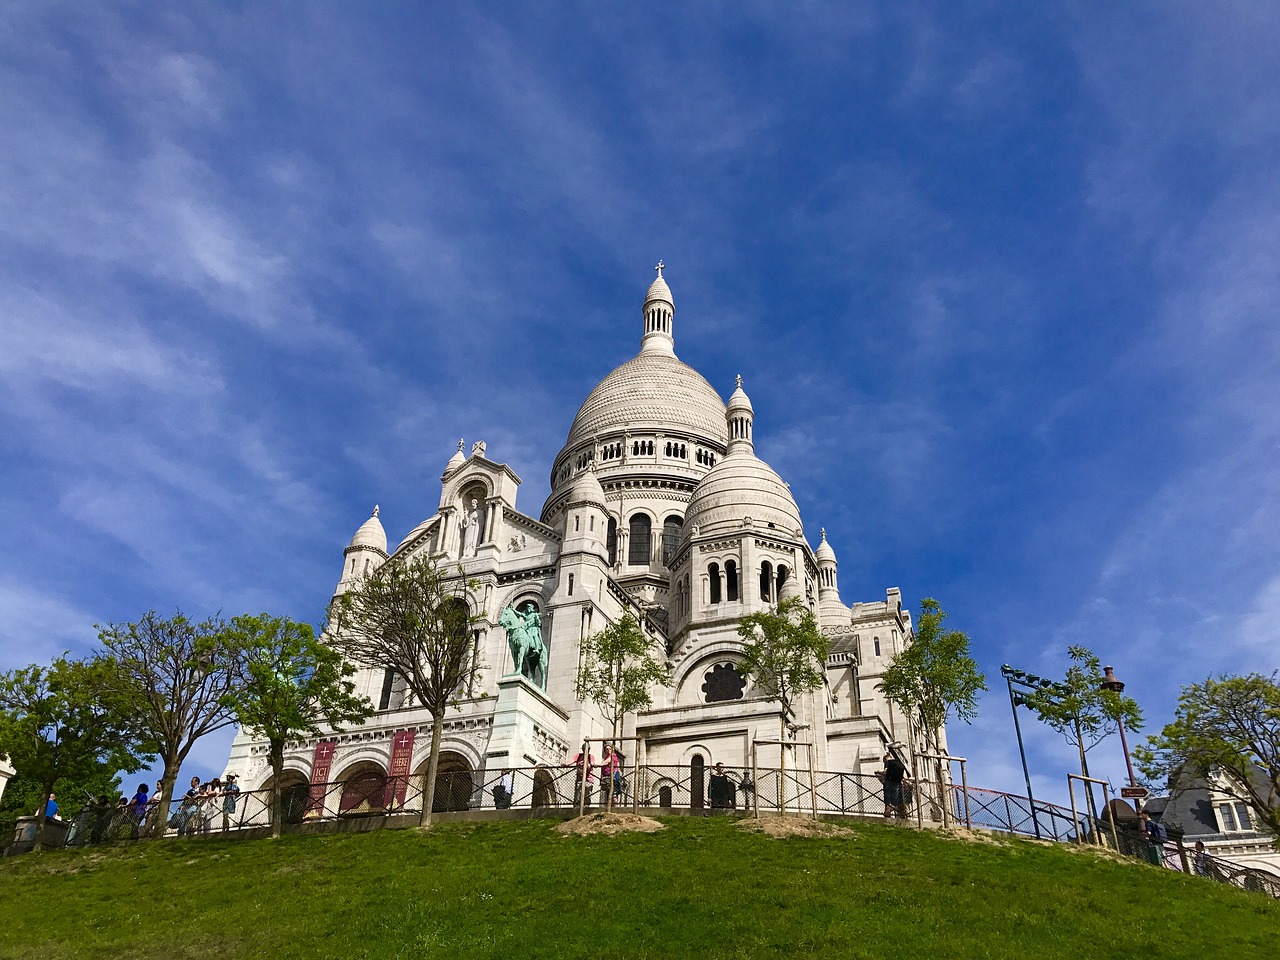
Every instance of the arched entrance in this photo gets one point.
(364, 788)
(697, 782)
(454, 783)
(294, 793)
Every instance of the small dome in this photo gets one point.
(371, 534)
(658, 290)
(586, 489)
(824, 551)
(456, 460)
(739, 402)
(741, 486)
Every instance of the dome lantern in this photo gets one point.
(659, 311)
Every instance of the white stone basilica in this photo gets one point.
(659, 506)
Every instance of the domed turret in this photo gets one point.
(456, 460)
(371, 534)
(741, 486)
(659, 311)
(586, 489)
(828, 588)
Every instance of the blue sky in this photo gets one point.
(1000, 279)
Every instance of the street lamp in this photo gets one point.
(1112, 683)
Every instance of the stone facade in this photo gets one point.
(659, 506)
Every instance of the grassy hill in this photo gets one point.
(701, 888)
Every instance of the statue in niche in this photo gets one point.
(471, 530)
(524, 637)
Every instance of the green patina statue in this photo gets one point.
(524, 637)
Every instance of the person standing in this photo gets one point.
(894, 778)
(230, 795)
(189, 809)
(585, 776)
(720, 789)
(138, 810)
(502, 790)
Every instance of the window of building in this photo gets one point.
(388, 681)
(731, 580)
(670, 538)
(766, 580)
(875, 645)
(782, 578)
(723, 682)
(713, 572)
(1234, 817)
(611, 541)
(639, 545)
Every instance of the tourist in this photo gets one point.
(138, 810)
(894, 778)
(210, 799)
(610, 772)
(503, 789)
(230, 795)
(50, 808)
(584, 764)
(188, 810)
(720, 789)
(619, 783)
(1201, 859)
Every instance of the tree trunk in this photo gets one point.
(277, 772)
(782, 762)
(38, 844)
(168, 780)
(433, 763)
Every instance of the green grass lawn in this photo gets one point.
(701, 888)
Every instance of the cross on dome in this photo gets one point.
(660, 267)
(739, 384)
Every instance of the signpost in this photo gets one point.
(1133, 793)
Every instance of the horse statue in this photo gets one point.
(524, 637)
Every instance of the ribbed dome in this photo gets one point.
(371, 534)
(740, 486)
(824, 551)
(651, 391)
(658, 290)
(456, 460)
(586, 489)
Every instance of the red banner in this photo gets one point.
(398, 770)
(320, 764)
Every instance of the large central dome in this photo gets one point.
(651, 391)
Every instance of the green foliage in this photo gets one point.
(1079, 708)
(618, 669)
(176, 674)
(410, 617)
(1225, 731)
(64, 723)
(700, 888)
(291, 686)
(785, 653)
(935, 676)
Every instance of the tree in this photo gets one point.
(618, 669)
(291, 686)
(177, 674)
(409, 617)
(785, 656)
(1081, 709)
(1226, 731)
(63, 723)
(935, 676)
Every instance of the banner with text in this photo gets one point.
(398, 770)
(320, 764)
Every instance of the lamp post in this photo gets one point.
(1009, 674)
(1112, 683)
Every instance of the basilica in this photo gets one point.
(660, 507)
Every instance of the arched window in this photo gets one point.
(713, 572)
(731, 579)
(766, 581)
(611, 541)
(571, 584)
(782, 578)
(639, 545)
(670, 538)
(875, 644)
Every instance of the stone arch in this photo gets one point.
(455, 781)
(640, 538)
(688, 676)
(295, 792)
(364, 787)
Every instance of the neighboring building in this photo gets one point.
(1203, 811)
(6, 773)
(659, 506)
